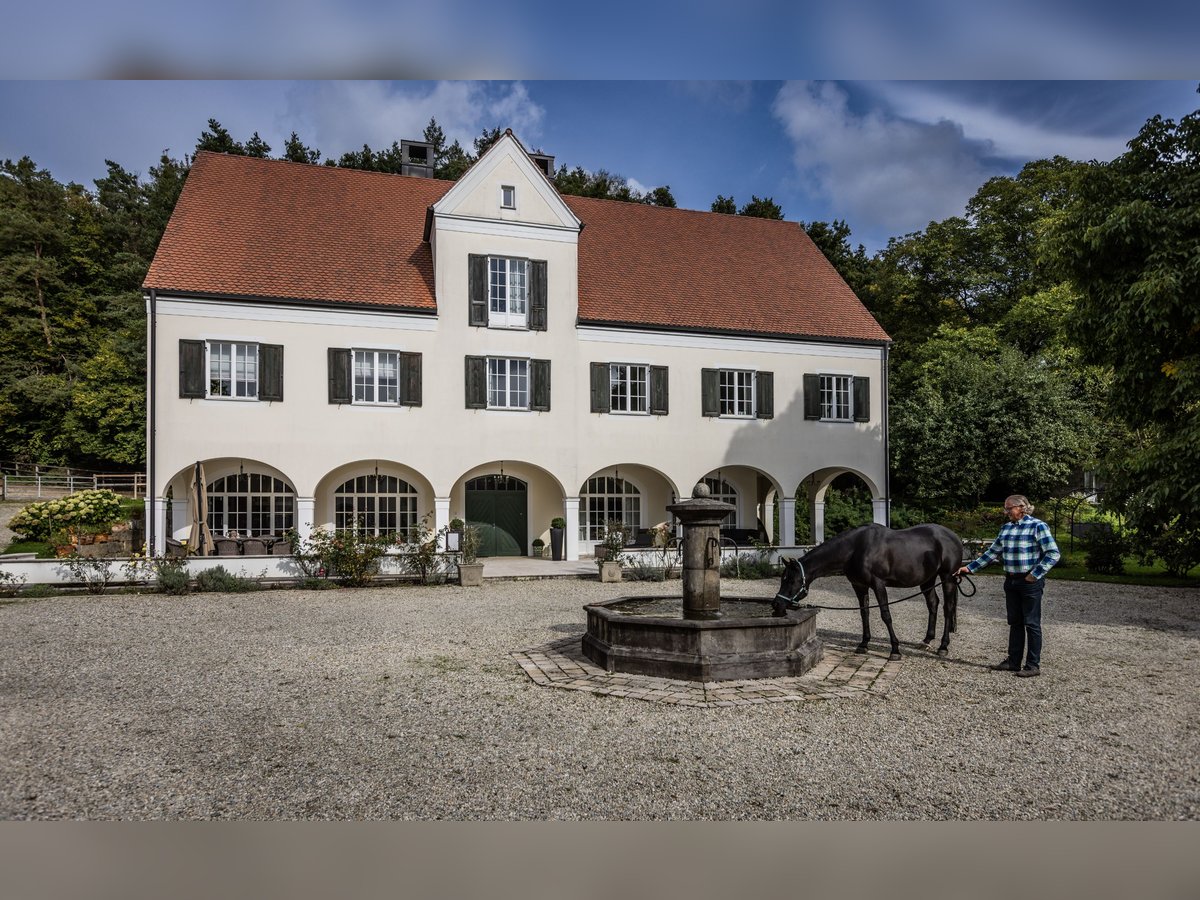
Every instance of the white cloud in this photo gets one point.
(635, 185)
(875, 168)
(1017, 136)
(346, 114)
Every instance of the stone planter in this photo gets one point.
(610, 571)
(470, 574)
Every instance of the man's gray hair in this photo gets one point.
(1019, 500)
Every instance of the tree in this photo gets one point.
(833, 240)
(486, 139)
(295, 151)
(436, 138)
(724, 204)
(977, 415)
(257, 147)
(218, 140)
(1129, 241)
(661, 196)
(761, 208)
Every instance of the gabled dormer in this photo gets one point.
(505, 185)
(505, 245)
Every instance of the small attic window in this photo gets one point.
(508, 197)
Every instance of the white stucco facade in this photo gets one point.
(437, 447)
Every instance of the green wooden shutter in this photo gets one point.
(659, 404)
(537, 295)
(477, 289)
(270, 365)
(862, 399)
(710, 392)
(764, 395)
(410, 379)
(601, 398)
(191, 369)
(339, 376)
(476, 380)
(539, 389)
(812, 396)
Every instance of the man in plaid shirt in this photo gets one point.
(1028, 550)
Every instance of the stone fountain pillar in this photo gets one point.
(701, 519)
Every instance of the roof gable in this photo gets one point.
(477, 193)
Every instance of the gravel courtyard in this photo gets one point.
(405, 703)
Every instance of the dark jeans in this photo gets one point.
(1024, 605)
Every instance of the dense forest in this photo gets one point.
(1053, 328)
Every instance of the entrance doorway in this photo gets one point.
(498, 506)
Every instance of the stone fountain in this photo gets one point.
(697, 637)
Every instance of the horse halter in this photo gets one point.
(801, 593)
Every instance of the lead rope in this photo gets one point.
(958, 579)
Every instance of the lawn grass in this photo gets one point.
(43, 549)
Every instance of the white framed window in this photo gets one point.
(605, 499)
(508, 383)
(376, 376)
(508, 196)
(835, 397)
(233, 370)
(251, 504)
(375, 504)
(737, 393)
(508, 292)
(629, 388)
(720, 489)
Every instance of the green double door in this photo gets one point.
(498, 506)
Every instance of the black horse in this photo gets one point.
(874, 557)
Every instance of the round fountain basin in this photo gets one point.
(650, 636)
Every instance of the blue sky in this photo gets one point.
(886, 156)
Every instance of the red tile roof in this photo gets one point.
(248, 227)
(700, 270)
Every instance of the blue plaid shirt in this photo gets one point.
(1026, 546)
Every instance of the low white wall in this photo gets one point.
(54, 572)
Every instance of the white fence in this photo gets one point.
(39, 486)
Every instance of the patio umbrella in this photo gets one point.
(200, 538)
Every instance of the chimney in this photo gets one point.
(545, 163)
(416, 159)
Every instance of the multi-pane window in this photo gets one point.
(376, 376)
(233, 370)
(508, 292)
(720, 489)
(628, 388)
(835, 397)
(251, 505)
(508, 383)
(737, 392)
(605, 499)
(508, 196)
(375, 504)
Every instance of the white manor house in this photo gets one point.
(341, 348)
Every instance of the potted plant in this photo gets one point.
(470, 570)
(610, 551)
(558, 528)
(539, 548)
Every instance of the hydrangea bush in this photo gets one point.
(83, 511)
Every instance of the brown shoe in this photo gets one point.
(1005, 665)
(1029, 672)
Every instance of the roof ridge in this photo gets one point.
(320, 166)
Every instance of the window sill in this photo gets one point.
(232, 399)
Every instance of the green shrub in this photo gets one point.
(10, 584)
(749, 566)
(640, 568)
(220, 580)
(87, 511)
(1179, 550)
(40, 590)
(1106, 550)
(351, 556)
(174, 580)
